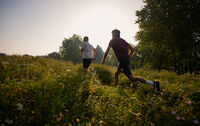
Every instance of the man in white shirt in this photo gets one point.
(89, 53)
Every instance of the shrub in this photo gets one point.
(104, 74)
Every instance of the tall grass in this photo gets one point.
(38, 91)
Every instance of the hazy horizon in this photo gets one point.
(37, 27)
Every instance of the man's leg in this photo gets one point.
(126, 70)
(154, 84)
(132, 79)
(117, 77)
(141, 80)
(86, 64)
(89, 61)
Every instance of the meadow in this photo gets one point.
(40, 91)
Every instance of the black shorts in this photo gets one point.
(86, 63)
(124, 67)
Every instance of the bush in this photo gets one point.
(104, 74)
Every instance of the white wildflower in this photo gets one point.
(8, 121)
(66, 110)
(101, 122)
(19, 106)
(61, 83)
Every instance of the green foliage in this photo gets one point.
(40, 91)
(104, 74)
(112, 58)
(169, 35)
(99, 55)
(70, 49)
(54, 55)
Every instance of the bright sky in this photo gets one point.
(38, 27)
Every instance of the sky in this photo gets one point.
(38, 27)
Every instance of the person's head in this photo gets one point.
(115, 33)
(85, 39)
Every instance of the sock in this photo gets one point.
(150, 82)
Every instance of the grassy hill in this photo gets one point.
(39, 91)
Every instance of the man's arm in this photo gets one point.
(105, 55)
(132, 50)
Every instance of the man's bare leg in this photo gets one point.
(141, 80)
(154, 84)
(135, 79)
(117, 77)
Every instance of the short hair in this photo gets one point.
(85, 38)
(116, 32)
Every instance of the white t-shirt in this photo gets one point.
(87, 50)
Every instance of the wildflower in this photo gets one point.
(138, 114)
(19, 106)
(93, 120)
(77, 120)
(66, 110)
(101, 122)
(173, 112)
(138, 118)
(58, 119)
(189, 102)
(61, 114)
(8, 121)
(196, 121)
(183, 118)
(131, 85)
(61, 83)
(178, 118)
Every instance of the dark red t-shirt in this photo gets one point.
(120, 47)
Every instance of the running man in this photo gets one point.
(121, 49)
(89, 53)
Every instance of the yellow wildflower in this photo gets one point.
(77, 120)
(93, 119)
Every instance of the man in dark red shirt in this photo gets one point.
(121, 49)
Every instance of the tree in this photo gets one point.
(112, 59)
(70, 49)
(54, 55)
(169, 36)
(99, 55)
